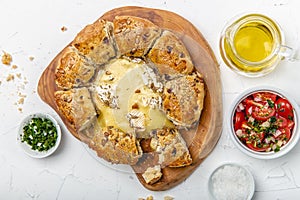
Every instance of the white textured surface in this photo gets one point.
(33, 28)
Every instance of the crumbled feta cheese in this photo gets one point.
(251, 119)
(241, 107)
(277, 133)
(265, 124)
(239, 132)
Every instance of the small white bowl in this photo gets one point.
(231, 181)
(26, 148)
(265, 155)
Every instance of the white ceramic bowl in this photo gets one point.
(26, 148)
(265, 155)
(231, 181)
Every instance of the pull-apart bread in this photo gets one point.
(127, 81)
(170, 56)
(76, 105)
(95, 42)
(73, 70)
(115, 146)
(134, 36)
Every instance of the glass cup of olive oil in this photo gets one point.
(253, 45)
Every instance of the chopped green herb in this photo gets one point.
(271, 103)
(272, 119)
(277, 148)
(40, 134)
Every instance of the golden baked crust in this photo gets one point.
(172, 148)
(77, 107)
(116, 146)
(90, 93)
(170, 55)
(96, 43)
(134, 36)
(183, 98)
(73, 70)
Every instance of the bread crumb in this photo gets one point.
(20, 109)
(152, 174)
(10, 77)
(168, 198)
(18, 75)
(22, 95)
(149, 197)
(6, 58)
(31, 58)
(21, 100)
(63, 29)
(14, 67)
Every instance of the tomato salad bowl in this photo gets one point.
(264, 122)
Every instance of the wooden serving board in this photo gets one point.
(202, 141)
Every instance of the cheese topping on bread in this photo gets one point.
(124, 81)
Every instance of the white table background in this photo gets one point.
(33, 28)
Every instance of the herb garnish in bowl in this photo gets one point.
(39, 135)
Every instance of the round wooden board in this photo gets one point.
(201, 142)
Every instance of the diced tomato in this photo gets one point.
(245, 125)
(261, 136)
(284, 108)
(249, 110)
(254, 147)
(253, 103)
(263, 114)
(290, 124)
(285, 134)
(281, 122)
(239, 119)
(264, 96)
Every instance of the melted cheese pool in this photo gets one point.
(128, 96)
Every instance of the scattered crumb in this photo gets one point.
(150, 197)
(14, 67)
(10, 77)
(21, 100)
(19, 84)
(6, 58)
(63, 29)
(18, 75)
(31, 58)
(21, 95)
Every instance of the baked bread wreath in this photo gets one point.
(125, 83)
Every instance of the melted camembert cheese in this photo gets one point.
(127, 99)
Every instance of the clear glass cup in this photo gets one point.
(252, 45)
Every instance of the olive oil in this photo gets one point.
(253, 42)
(250, 45)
